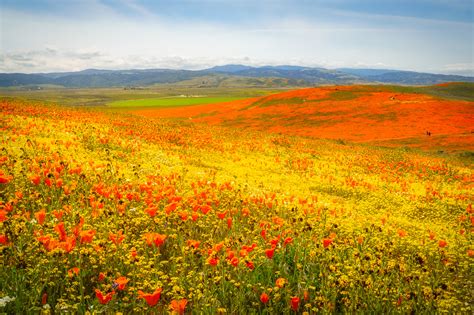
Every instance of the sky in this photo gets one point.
(70, 35)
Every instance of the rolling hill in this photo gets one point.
(385, 115)
(304, 75)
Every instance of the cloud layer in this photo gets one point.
(75, 35)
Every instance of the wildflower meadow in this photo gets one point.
(110, 212)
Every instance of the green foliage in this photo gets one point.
(171, 101)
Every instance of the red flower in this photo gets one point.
(250, 265)
(155, 238)
(327, 242)
(221, 215)
(178, 306)
(234, 261)
(35, 179)
(116, 238)
(171, 207)
(3, 216)
(73, 271)
(40, 216)
(151, 299)
(264, 298)
(121, 282)
(86, 236)
(402, 233)
(442, 243)
(101, 276)
(4, 179)
(270, 252)
(295, 303)
(193, 243)
(59, 228)
(3, 239)
(151, 210)
(104, 299)
(212, 261)
(287, 241)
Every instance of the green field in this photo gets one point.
(170, 101)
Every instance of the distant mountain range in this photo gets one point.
(302, 75)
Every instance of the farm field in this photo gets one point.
(101, 97)
(170, 101)
(262, 205)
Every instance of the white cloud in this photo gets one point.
(108, 40)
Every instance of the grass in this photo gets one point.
(170, 101)
(455, 91)
(99, 97)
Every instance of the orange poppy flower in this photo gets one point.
(327, 242)
(212, 261)
(59, 228)
(178, 306)
(295, 303)
(151, 298)
(5, 179)
(102, 276)
(40, 216)
(402, 233)
(270, 252)
(104, 299)
(193, 243)
(287, 241)
(155, 238)
(221, 215)
(121, 282)
(250, 265)
(86, 236)
(3, 216)
(73, 271)
(234, 261)
(264, 298)
(117, 238)
(3, 239)
(35, 179)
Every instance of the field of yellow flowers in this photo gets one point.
(104, 212)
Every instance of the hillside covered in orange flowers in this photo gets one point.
(382, 115)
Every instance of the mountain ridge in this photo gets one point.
(144, 77)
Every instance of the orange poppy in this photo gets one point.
(121, 282)
(178, 306)
(264, 298)
(104, 299)
(151, 298)
(295, 303)
(40, 216)
(270, 252)
(327, 242)
(86, 236)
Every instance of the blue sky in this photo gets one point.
(60, 35)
